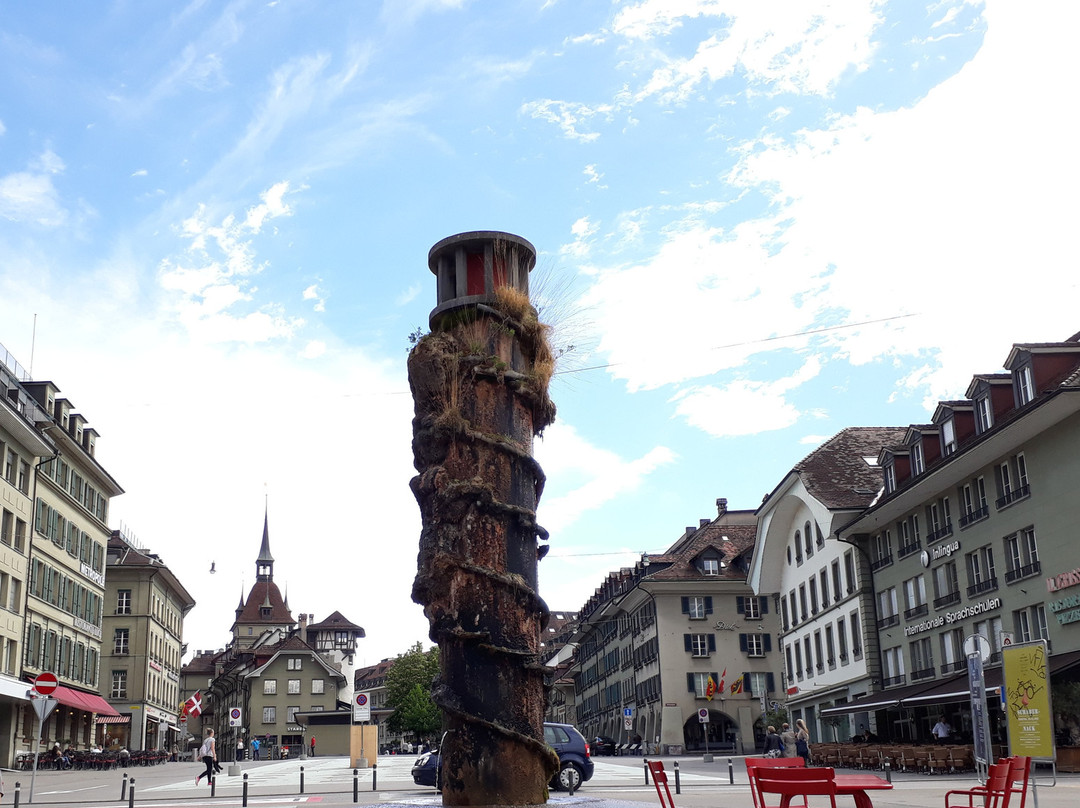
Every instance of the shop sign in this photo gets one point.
(1067, 609)
(155, 666)
(295, 728)
(1063, 580)
(951, 617)
(172, 676)
(89, 628)
(95, 576)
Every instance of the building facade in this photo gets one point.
(66, 581)
(143, 626)
(974, 539)
(654, 636)
(22, 446)
(828, 649)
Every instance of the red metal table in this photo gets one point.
(858, 784)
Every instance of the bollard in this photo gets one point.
(646, 763)
(355, 786)
(213, 784)
(123, 788)
(374, 775)
(301, 779)
(16, 803)
(131, 793)
(570, 789)
(888, 771)
(678, 786)
(730, 772)
(245, 790)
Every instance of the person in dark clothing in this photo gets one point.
(774, 747)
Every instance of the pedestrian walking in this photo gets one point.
(787, 735)
(208, 755)
(802, 740)
(313, 746)
(255, 748)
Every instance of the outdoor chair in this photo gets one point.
(756, 766)
(1019, 774)
(659, 776)
(788, 782)
(994, 794)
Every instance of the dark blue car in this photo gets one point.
(575, 763)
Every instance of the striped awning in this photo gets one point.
(114, 719)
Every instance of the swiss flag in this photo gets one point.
(193, 706)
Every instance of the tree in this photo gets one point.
(408, 692)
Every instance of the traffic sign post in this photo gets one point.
(361, 714)
(44, 685)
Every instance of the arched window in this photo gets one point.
(808, 537)
(798, 547)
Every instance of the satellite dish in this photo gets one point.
(977, 644)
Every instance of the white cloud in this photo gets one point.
(312, 293)
(569, 116)
(272, 206)
(743, 407)
(597, 476)
(805, 49)
(582, 230)
(142, 172)
(409, 295)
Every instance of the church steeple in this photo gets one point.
(264, 564)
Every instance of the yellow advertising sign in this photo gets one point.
(1027, 700)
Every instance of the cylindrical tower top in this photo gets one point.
(471, 266)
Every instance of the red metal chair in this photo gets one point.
(1019, 774)
(754, 767)
(994, 794)
(659, 776)
(790, 782)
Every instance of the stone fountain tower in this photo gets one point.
(479, 383)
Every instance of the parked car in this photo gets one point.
(603, 745)
(575, 761)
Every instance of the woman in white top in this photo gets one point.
(208, 753)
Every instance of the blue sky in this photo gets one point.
(219, 215)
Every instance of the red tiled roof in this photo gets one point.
(252, 612)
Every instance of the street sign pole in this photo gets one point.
(43, 706)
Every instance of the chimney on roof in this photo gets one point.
(721, 506)
(689, 530)
(302, 621)
(703, 522)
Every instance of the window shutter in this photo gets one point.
(764, 605)
(770, 684)
(768, 643)
(712, 644)
(742, 643)
(690, 682)
(748, 683)
(685, 605)
(708, 604)
(739, 607)
(686, 642)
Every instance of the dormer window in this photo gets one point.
(890, 478)
(918, 463)
(948, 437)
(984, 413)
(1025, 387)
(710, 566)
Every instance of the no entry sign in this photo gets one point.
(46, 683)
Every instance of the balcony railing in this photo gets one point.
(908, 549)
(974, 516)
(892, 681)
(884, 561)
(940, 533)
(924, 673)
(1023, 492)
(947, 599)
(916, 611)
(1034, 568)
(888, 621)
(989, 585)
(953, 667)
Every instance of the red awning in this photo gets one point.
(80, 700)
(114, 719)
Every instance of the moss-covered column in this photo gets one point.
(479, 384)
